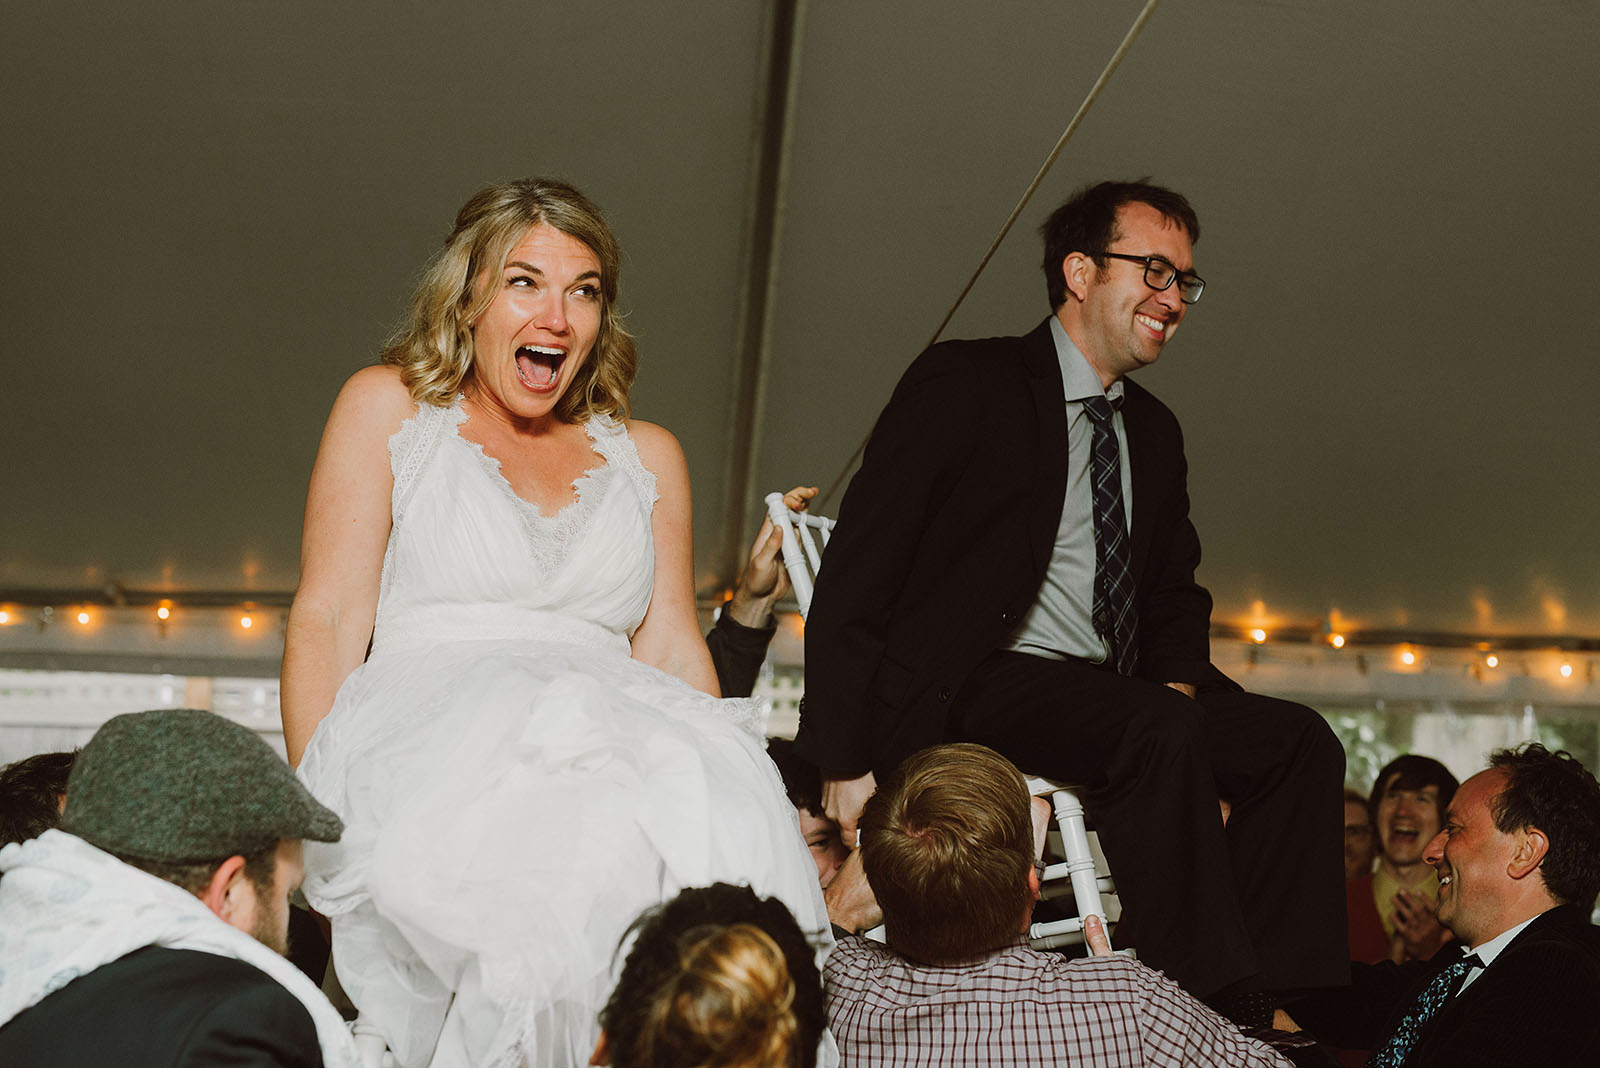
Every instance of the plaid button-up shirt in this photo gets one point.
(1021, 1007)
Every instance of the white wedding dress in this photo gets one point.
(515, 788)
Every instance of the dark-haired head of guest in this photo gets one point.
(1407, 806)
(32, 792)
(947, 844)
(1553, 793)
(802, 781)
(716, 978)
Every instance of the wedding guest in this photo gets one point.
(148, 930)
(1518, 862)
(716, 978)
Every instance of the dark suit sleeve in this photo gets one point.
(262, 1026)
(1361, 1015)
(917, 450)
(737, 652)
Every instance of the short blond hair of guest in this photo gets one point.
(947, 843)
(433, 346)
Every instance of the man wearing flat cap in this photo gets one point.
(148, 930)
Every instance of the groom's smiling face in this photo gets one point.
(1119, 322)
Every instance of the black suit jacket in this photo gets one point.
(737, 652)
(944, 538)
(1537, 1004)
(165, 1008)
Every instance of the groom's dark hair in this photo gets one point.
(1087, 222)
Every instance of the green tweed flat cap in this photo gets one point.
(183, 786)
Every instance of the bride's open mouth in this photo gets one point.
(539, 367)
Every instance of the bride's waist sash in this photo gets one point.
(425, 627)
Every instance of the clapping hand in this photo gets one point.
(1418, 934)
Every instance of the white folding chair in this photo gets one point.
(1079, 873)
(802, 556)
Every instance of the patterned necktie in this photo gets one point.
(1114, 616)
(1404, 1040)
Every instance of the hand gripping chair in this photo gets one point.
(1079, 873)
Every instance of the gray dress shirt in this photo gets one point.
(1059, 624)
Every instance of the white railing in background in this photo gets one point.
(51, 711)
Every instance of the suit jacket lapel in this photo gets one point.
(1471, 1000)
(1050, 413)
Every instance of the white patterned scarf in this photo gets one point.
(67, 908)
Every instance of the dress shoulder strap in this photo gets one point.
(612, 440)
(414, 444)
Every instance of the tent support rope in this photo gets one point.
(1016, 212)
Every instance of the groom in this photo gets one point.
(1014, 565)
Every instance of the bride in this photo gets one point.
(532, 752)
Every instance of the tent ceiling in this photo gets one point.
(217, 211)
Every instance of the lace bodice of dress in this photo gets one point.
(469, 559)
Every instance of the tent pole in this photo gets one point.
(764, 225)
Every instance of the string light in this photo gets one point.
(1407, 657)
(1336, 640)
(1492, 661)
(246, 621)
(83, 616)
(5, 617)
(1566, 671)
(1258, 635)
(163, 613)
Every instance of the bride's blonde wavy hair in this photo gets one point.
(433, 347)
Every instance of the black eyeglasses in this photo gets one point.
(1159, 274)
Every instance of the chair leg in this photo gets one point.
(1080, 861)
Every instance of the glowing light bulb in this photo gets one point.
(5, 617)
(1258, 635)
(1407, 657)
(83, 617)
(1492, 660)
(1566, 671)
(246, 622)
(1336, 640)
(163, 612)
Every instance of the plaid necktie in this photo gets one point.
(1114, 616)
(1404, 1040)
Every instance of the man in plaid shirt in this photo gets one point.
(947, 849)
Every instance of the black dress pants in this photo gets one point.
(1263, 898)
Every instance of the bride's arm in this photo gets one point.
(341, 552)
(669, 638)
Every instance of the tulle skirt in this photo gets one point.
(510, 808)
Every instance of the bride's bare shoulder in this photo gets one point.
(375, 400)
(658, 448)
